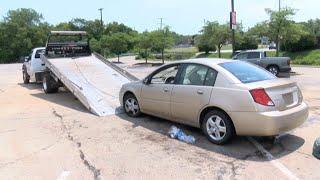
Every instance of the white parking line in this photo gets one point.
(63, 175)
(271, 159)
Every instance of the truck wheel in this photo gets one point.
(274, 70)
(26, 77)
(49, 85)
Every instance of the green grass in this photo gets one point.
(310, 57)
(182, 50)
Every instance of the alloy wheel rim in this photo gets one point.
(273, 70)
(131, 106)
(216, 128)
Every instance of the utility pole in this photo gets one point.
(232, 16)
(278, 36)
(161, 19)
(279, 5)
(101, 22)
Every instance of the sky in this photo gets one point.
(182, 16)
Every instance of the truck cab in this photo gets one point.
(33, 66)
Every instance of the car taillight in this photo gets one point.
(261, 97)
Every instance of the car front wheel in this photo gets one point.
(131, 105)
(218, 127)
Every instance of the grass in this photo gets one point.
(310, 57)
(214, 55)
(183, 50)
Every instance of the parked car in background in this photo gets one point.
(272, 46)
(222, 97)
(275, 65)
(33, 66)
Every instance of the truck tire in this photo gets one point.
(49, 85)
(273, 69)
(26, 77)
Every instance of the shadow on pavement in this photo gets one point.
(62, 98)
(239, 148)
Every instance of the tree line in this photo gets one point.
(279, 28)
(24, 29)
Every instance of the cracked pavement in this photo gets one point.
(44, 136)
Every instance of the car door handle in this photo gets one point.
(200, 92)
(165, 89)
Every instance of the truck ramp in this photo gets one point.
(95, 82)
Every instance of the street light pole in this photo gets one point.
(232, 28)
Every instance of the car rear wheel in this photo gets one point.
(218, 127)
(274, 70)
(26, 77)
(49, 85)
(131, 105)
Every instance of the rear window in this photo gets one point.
(246, 72)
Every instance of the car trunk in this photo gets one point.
(284, 94)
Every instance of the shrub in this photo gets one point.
(305, 42)
(246, 43)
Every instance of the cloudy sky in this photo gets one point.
(183, 16)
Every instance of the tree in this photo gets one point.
(246, 41)
(161, 40)
(279, 24)
(217, 34)
(204, 44)
(116, 43)
(144, 45)
(21, 30)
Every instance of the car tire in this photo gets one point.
(274, 70)
(131, 105)
(26, 77)
(49, 85)
(218, 127)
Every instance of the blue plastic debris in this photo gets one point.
(176, 133)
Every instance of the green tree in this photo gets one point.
(116, 43)
(279, 24)
(217, 34)
(161, 39)
(204, 44)
(21, 30)
(144, 45)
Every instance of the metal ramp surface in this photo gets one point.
(94, 82)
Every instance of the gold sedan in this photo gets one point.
(222, 97)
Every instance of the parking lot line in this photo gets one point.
(273, 161)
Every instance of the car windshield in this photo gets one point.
(246, 72)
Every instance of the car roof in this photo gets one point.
(207, 61)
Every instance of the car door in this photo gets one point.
(192, 92)
(156, 93)
(37, 64)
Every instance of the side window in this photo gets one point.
(242, 56)
(38, 53)
(166, 76)
(193, 74)
(254, 55)
(211, 77)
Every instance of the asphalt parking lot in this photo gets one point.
(55, 137)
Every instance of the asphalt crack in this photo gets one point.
(96, 172)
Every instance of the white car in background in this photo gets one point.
(33, 67)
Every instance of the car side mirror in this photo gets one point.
(146, 81)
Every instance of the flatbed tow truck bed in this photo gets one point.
(94, 81)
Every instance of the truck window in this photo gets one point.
(242, 56)
(254, 55)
